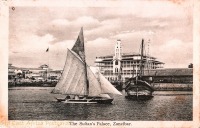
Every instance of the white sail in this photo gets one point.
(73, 82)
(73, 74)
(105, 96)
(106, 86)
(94, 85)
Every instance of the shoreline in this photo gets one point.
(156, 93)
(156, 86)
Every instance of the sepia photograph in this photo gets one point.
(101, 66)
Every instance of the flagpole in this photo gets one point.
(47, 63)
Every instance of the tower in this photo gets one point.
(117, 69)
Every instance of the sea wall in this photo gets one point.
(33, 84)
(172, 86)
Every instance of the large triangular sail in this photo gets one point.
(73, 82)
(78, 47)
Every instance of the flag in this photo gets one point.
(79, 46)
(47, 50)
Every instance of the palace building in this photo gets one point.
(121, 66)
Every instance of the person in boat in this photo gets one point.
(76, 97)
(67, 97)
(140, 78)
(150, 80)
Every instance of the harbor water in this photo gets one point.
(37, 103)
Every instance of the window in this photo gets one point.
(116, 62)
(116, 70)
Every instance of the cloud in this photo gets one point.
(168, 25)
(131, 40)
(99, 47)
(144, 9)
(32, 44)
(158, 23)
(34, 56)
(86, 21)
(63, 29)
(140, 16)
(60, 22)
(106, 29)
(82, 21)
(62, 46)
(99, 42)
(175, 53)
(47, 38)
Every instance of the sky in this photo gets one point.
(167, 24)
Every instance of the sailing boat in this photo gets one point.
(79, 83)
(136, 88)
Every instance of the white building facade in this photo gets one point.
(121, 66)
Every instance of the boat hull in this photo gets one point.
(118, 85)
(140, 90)
(139, 97)
(87, 101)
(103, 101)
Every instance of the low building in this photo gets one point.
(169, 75)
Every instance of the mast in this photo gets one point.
(79, 48)
(141, 61)
(86, 76)
(133, 68)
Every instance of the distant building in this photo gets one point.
(39, 74)
(12, 71)
(44, 66)
(35, 73)
(55, 74)
(122, 66)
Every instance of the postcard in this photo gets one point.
(99, 63)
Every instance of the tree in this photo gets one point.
(190, 65)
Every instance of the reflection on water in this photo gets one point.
(39, 104)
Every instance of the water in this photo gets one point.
(37, 103)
